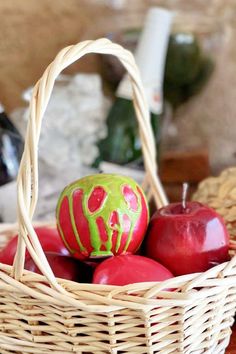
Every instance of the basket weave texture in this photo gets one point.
(220, 193)
(40, 314)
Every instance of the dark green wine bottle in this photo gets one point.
(122, 144)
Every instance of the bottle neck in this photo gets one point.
(150, 56)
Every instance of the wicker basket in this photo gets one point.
(68, 317)
(220, 194)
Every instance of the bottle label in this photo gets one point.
(150, 57)
(153, 93)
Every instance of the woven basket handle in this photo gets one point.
(28, 172)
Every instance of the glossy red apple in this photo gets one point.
(187, 239)
(64, 267)
(128, 269)
(49, 239)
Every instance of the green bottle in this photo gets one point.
(122, 144)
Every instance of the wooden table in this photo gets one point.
(232, 347)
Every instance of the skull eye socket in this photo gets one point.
(130, 198)
(96, 199)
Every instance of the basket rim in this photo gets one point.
(138, 296)
(184, 288)
(13, 227)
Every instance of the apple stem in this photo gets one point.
(184, 194)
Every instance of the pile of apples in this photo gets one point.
(104, 236)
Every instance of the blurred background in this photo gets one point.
(194, 124)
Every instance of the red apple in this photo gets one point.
(49, 239)
(64, 267)
(102, 215)
(187, 239)
(128, 269)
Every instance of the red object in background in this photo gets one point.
(187, 240)
(49, 239)
(232, 345)
(129, 269)
(64, 267)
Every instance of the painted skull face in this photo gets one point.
(102, 215)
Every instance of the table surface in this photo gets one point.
(232, 347)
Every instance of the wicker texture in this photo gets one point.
(220, 193)
(67, 317)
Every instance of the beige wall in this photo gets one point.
(33, 31)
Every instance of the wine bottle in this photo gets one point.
(122, 144)
(11, 147)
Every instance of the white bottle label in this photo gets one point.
(150, 57)
(153, 92)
